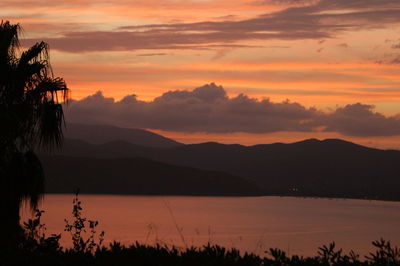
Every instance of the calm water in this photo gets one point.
(296, 225)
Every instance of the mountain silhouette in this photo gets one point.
(328, 168)
(138, 176)
(99, 134)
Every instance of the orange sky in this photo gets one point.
(321, 54)
(285, 137)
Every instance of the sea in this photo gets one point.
(298, 226)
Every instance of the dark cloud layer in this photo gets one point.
(360, 120)
(209, 109)
(323, 19)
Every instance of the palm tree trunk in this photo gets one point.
(10, 230)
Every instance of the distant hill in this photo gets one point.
(99, 134)
(138, 176)
(329, 168)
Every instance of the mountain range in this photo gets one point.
(327, 168)
(138, 176)
(99, 134)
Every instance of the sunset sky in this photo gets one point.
(266, 70)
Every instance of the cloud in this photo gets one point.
(396, 46)
(220, 54)
(360, 120)
(395, 60)
(289, 2)
(153, 54)
(205, 109)
(321, 20)
(209, 109)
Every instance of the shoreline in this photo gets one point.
(227, 196)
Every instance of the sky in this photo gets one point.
(243, 71)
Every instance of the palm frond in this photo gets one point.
(9, 41)
(31, 114)
(50, 126)
(33, 189)
(25, 177)
(36, 53)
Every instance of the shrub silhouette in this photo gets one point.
(37, 249)
(35, 239)
(78, 227)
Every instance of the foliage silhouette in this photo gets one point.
(37, 249)
(35, 238)
(79, 227)
(31, 117)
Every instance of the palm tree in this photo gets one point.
(31, 117)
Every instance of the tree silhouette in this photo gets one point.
(31, 117)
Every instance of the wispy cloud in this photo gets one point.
(153, 54)
(396, 46)
(322, 20)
